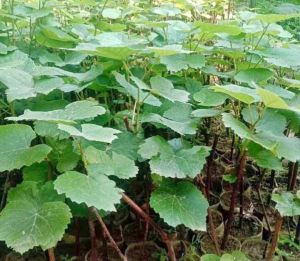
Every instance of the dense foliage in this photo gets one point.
(108, 106)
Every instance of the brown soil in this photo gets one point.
(213, 199)
(228, 186)
(226, 198)
(133, 232)
(180, 248)
(255, 249)
(271, 215)
(120, 217)
(216, 217)
(292, 254)
(147, 251)
(208, 247)
(251, 227)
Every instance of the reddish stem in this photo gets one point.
(232, 147)
(297, 236)
(108, 235)
(272, 250)
(213, 232)
(209, 163)
(294, 176)
(290, 174)
(272, 182)
(127, 125)
(240, 172)
(93, 252)
(77, 238)
(264, 209)
(241, 186)
(51, 254)
(148, 219)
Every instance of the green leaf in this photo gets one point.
(49, 129)
(239, 256)
(271, 121)
(112, 13)
(17, 60)
(54, 71)
(167, 162)
(291, 83)
(205, 113)
(116, 53)
(281, 146)
(166, 9)
(37, 172)
(272, 100)
(116, 165)
(207, 97)
(91, 132)
(181, 127)
(281, 92)
(287, 204)
(15, 150)
(231, 29)
(153, 146)
(45, 86)
(164, 87)
(33, 217)
(95, 190)
(250, 114)
(287, 56)
(275, 18)
(238, 127)
(178, 62)
(263, 157)
(240, 93)
(210, 257)
(53, 37)
(135, 93)
(167, 50)
(20, 84)
(253, 75)
(230, 178)
(180, 203)
(127, 144)
(63, 154)
(80, 110)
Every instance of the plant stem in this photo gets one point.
(241, 185)
(51, 254)
(232, 147)
(209, 163)
(148, 219)
(108, 235)
(272, 250)
(127, 125)
(240, 173)
(213, 232)
(294, 177)
(4, 193)
(264, 209)
(297, 235)
(272, 183)
(252, 3)
(93, 253)
(290, 174)
(77, 238)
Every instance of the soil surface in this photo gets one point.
(207, 245)
(142, 252)
(250, 227)
(255, 249)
